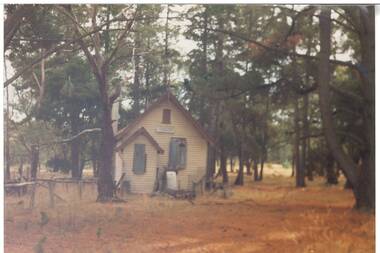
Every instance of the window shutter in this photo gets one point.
(173, 154)
(182, 154)
(177, 154)
(139, 159)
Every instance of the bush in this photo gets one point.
(286, 164)
(58, 164)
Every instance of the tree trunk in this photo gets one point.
(304, 143)
(265, 139)
(366, 184)
(34, 161)
(330, 172)
(105, 180)
(21, 168)
(7, 156)
(75, 147)
(14, 20)
(166, 53)
(107, 146)
(210, 165)
(240, 176)
(94, 167)
(255, 170)
(248, 165)
(223, 164)
(293, 162)
(300, 174)
(305, 122)
(232, 164)
(81, 165)
(204, 66)
(262, 161)
(136, 86)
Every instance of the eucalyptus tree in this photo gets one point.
(100, 50)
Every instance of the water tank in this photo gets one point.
(171, 179)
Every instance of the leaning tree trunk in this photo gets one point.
(366, 186)
(331, 177)
(363, 185)
(7, 156)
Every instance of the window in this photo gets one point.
(177, 154)
(139, 159)
(166, 116)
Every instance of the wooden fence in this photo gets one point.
(50, 185)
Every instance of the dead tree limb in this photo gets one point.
(91, 130)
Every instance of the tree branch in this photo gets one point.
(347, 94)
(56, 49)
(284, 52)
(91, 130)
(14, 20)
(121, 38)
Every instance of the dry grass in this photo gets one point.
(270, 216)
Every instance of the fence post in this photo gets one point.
(32, 197)
(202, 185)
(51, 193)
(80, 185)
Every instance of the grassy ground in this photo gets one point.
(270, 216)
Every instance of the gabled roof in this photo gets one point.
(140, 131)
(168, 96)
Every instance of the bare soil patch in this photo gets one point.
(270, 216)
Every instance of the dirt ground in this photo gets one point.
(269, 216)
